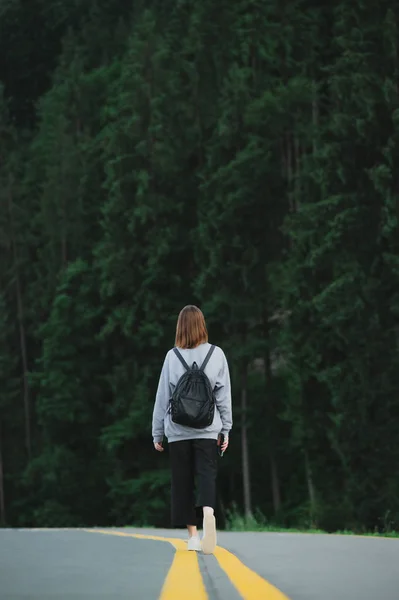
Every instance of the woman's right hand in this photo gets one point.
(158, 447)
(225, 444)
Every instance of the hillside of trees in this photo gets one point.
(235, 155)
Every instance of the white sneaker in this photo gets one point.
(194, 543)
(208, 542)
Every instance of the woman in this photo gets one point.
(193, 451)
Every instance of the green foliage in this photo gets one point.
(239, 156)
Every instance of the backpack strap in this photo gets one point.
(208, 356)
(179, 356)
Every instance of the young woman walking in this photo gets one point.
(194, 412)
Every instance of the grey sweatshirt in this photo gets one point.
(217, 371)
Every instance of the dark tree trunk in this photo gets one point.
(2, 495)
(275, 483)
(311, 490)
(21, 326)
(246, 477)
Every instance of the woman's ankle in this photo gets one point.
(192, 531)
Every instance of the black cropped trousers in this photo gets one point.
(194, 470)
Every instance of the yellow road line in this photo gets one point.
(184, 579)
(249, 584)
(139, 536)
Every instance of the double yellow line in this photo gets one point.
(184, 579)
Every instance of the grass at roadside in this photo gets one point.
(389, 534)
(258, 522)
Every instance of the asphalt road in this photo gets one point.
(127, 564)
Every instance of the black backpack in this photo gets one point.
(193, 400)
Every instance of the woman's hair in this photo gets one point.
(191, 329)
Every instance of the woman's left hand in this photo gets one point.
(158, 447)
